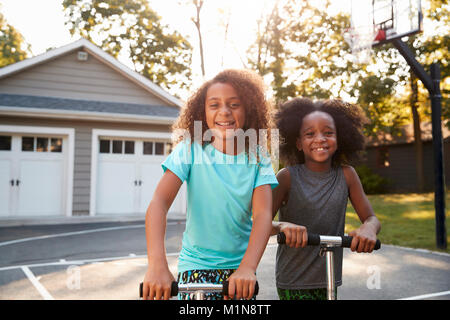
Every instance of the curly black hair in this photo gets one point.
(348, 119)
(250, 88)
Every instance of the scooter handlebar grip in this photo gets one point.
(226, 284)
(377, 245)
(173, 289)
(347, 241)
(313, 239)
(281, 238)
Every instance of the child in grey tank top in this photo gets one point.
(318, 141)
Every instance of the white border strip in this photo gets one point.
(77, 233)
(63, 262)
(418, 250)
(44, 293)
(426, 296)
(6, 243)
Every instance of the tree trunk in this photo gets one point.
(198, 6)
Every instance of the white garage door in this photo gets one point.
(32, 175)
(127, 174)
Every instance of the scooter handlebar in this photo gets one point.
(314, 240)
(174, 288)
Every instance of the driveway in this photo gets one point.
(108, 261)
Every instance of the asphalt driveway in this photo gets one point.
(108, 261)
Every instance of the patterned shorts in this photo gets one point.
(303, 294)
(215, 276)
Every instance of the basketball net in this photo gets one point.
(362, 32)
(360, 41)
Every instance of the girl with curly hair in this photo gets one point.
(318, 141)
(229, 184)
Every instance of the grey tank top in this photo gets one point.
(318, 201)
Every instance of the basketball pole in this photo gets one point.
(432, 83)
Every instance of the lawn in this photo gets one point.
(406, 219)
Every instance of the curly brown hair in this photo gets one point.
(348, 119)
(251, 91)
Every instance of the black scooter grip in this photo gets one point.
(377, 245)
(173, 289)
(281, 238)
(225, 285)
(313, 239)
(347, 241)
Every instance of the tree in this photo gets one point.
(300, 47)
(133, 29)
(196, 20)
(13, 47)
(427, 49)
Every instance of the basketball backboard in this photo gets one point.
(374, 22)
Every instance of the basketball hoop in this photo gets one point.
(374, 22)
(360, 42)
(381, 35)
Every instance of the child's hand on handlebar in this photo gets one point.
(296, 235)
(157, 284)
(364, 239)
(241, 284)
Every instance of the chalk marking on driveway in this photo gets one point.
(40, 288)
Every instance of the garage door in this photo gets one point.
(128, 173)
(32, 175)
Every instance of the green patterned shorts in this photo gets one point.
(303, 294)
(204, 276)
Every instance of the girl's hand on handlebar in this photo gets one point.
(241, 284)
(157, 284)
(296, 235)
(364, 239)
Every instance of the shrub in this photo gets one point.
(371, 182)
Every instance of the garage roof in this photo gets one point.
(102, 56)
(11, 104)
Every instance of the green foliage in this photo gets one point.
(300, 47)
(428, 47)
(372, 182)
(387, 113)
(133, 29)
(13, 47)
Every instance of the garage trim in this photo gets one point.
(96, 133)
(70, 133)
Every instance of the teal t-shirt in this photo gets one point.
(219, 203)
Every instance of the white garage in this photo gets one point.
(35, 171)
(126, 168)
(81, 135)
